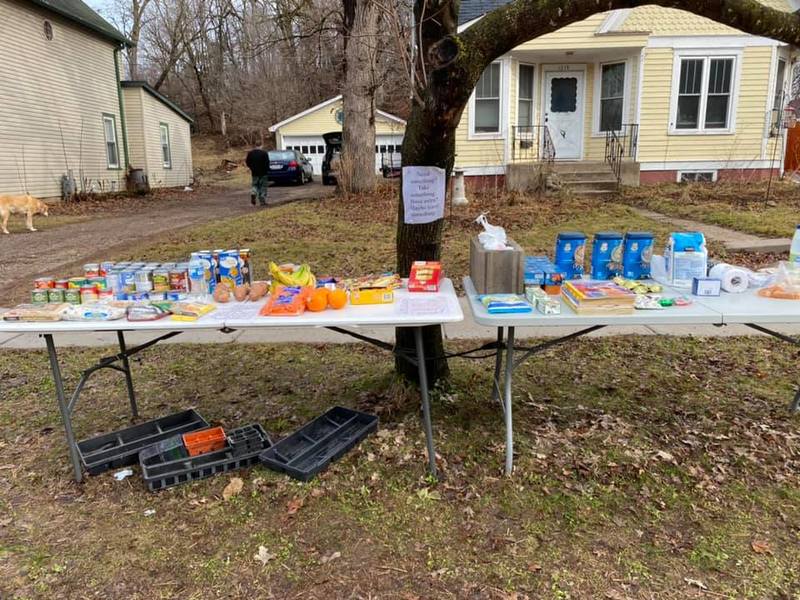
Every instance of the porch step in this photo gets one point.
(592, 179)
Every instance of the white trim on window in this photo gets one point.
(532, 99)
(710, 42)
(707, 57)
(505, 72)
(166, 149)
(111, 162)
(598, 86)
(680, 174)
(705, 165)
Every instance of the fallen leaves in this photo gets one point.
(696, 583)
(293, 505)
(234, 488)
(761, 547)
(263, 555)
(330, 557)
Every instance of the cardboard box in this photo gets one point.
(706, 286)
(372, 296)
(497, 271)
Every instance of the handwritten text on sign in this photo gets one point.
(423, 194)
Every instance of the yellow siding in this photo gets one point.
(656, 145)
(134, 120)
(323, 120)
(477, 153)
(50, 89)
(180, 173)
(581, 35)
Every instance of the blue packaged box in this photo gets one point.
(606, 255)
(540, 271)
(706, 286)
(570, 253)
(636, 254)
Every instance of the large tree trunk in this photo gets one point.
(358, 96)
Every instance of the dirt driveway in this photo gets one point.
(105, 230)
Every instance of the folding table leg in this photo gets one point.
(66, 414)
(498, 365)
(128, 377)
(507, 389)
(426, 405)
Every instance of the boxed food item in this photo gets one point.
(371, 296)
(503, 304)
(497, 271)
(190, 311)
(36, 312)
(425, 276)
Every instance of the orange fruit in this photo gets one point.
(318, 300)
(337, 298)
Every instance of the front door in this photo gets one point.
(563, 111)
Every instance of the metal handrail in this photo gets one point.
(532, 143)
(621, 145)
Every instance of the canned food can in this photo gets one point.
(161, 280)
(138, 296)
(62, 284)
(72, 295)
(229, 272)
(112, 281)
(178, 280)
(76, 282)
(105, 268)
(143, 280)
(88, 294)
(246, 265)
(98, 282)
(127, 282)
(43, 283)
(91, 270)
(39, 296)
(105, 295)
(56, 296)
(209, 268)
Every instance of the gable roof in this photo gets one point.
(79, 12)
(163, 99)
(328, 102)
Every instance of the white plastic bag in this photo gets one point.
(493, 237)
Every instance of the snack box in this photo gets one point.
(190, 311)
(372, 296)
(425, 276)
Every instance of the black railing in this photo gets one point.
(532, 143)
(621, 146)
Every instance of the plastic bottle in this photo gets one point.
(794, 251)
(198, 288)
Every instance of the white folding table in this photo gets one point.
(748, 308)
(410, 310)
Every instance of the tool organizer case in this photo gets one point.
(310, 449)
(161, 470)
(121, 448)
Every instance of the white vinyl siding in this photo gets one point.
(112, 147)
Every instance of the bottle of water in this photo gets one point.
(794, 251)
(198, 287)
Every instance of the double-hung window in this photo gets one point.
(778, 97)
(112, 148)
(525, 96)
(487, 100)
(705, 94)
(612, 96)
(166, 148)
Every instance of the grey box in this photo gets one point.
(497, 271)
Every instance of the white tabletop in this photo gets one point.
(695, 313)
(749, 307)
(408, 310)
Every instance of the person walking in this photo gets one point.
(258, 162)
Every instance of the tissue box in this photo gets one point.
(706, 286)
(497, 271)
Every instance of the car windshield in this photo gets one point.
(281, 155)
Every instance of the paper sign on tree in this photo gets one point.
(423, 194)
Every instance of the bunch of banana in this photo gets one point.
(301, 276)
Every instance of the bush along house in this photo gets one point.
(67, 122)
(642, 95)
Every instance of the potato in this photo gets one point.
(240, 292)
(258, 290)
(222, 294)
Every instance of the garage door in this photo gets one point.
(387, 150)
(312, 147)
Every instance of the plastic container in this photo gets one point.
(685, 257)
(121, 448)
(606, 255)
(205, 440)
(794, 250)
(570, 253)
(636, 254)
(314, 446)
(165, 467)
(198, 287)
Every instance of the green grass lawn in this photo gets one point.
(634, 479)
(743, 207)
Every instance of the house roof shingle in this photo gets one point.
(472, 9)
(133, 83)
(78, 12)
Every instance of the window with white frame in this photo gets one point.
(612, 96)
(525, 96)
(487, 100)
(697, 176)
(112, 148)
(166, 148)
(778, 96)
(704, 94)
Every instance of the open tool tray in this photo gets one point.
(121, 448)
(162, 469)
(313, 447)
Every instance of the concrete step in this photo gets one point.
(581, 167)
(594, 193)
(590, 176)
(580, 186)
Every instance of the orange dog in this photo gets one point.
(27, 205)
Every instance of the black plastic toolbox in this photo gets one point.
(121, 448)
(161, 469)
(314, 446)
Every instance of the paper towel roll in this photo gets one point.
(734, 280)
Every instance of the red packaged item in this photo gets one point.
(286, 302)
(205, 440)
(425, 276)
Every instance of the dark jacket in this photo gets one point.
(258, 162)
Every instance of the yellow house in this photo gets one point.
(675, 96)
(303, 132)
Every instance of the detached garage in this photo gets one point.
(303, 132)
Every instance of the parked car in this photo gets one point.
(331, 160)
(289, 166)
